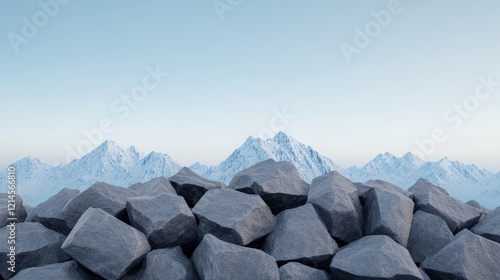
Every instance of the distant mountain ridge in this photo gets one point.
(113, 164)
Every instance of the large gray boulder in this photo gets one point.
(65, 270)
(435, 200)
(192, 186)
(49, 213)
(106, 197)
(278, 183)
(374, 257)
(166, 219)
(153, 187)
(19, 212)
(300, 236)
(388, 213)
(468, 256)
(388, 187)
(35, 245)
(233, 216)
(429, 234)
(477, 205)
(215, 259)
(105, 245)
(298, 271)
(489, 226)
(335, 198)
(169, 264)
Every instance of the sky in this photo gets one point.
(194, 79)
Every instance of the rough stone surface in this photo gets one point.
(58, 271)
(104, 196)
(191, 186)
(489, 226)
(105, 245)
(468, 256)
(166, 219)
(233, 216)
(168, 264)
(362, 190)
(335, 198)
(388, 187)
(424, 275)
(429, 234)
(278, 183)
(35, 245)
(300, 236)
(4, 209)
(215, 259)
(374, 257)
(434, 200)
(294, 271)
(154, 187)
(476, 204)
(49, 213)
(388, 213)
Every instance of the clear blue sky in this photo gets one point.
(227, 76)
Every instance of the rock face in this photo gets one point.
(300, 236)
(215, 259)
(293, 270)
(374, 257)
(434, 200)
(166, 219)
(233, 216)
(278, 183)
(108, 198)
(105, 245)
(66, 270)
(489, 226)
(20, 212)
(191, 186)
(429, 234)
(468, 256)
(49, 213)
(35, 245)
(388, 213)
(167, 264)
(476, 204)
(154, 187)
(386, 186)
(335, 198)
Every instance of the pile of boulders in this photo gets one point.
(267, 224)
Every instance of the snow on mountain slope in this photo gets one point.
(151, 166)
(489, 191)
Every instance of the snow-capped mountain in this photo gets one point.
(282, 147)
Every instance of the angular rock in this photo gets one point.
(300, 236)
(278, 183)
(191, 186)
(362, 190)
(374, 257)
(65, 270)
(424, 275)
(468, 256)
(388, 187)
(154, 187)
(35, 245)
(335, 198)
(429, 234)
(5, 205)
(233, 216)
(434, 200)
(167, 264)
(104, 196)
(476, 204)
(105, 245)
(489, 226)
(388, 213)
(215, 259)
(28, 209)
(166, 219)
(293, 271)
(49, 213)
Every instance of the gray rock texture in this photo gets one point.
(489, 226)
(69, 270)
(297, 271)
(153, 187)
(169, 263)
(192, 186)
(5, 206)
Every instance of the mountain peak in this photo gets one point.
(282, 137)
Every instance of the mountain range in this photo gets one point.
(113, 164)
